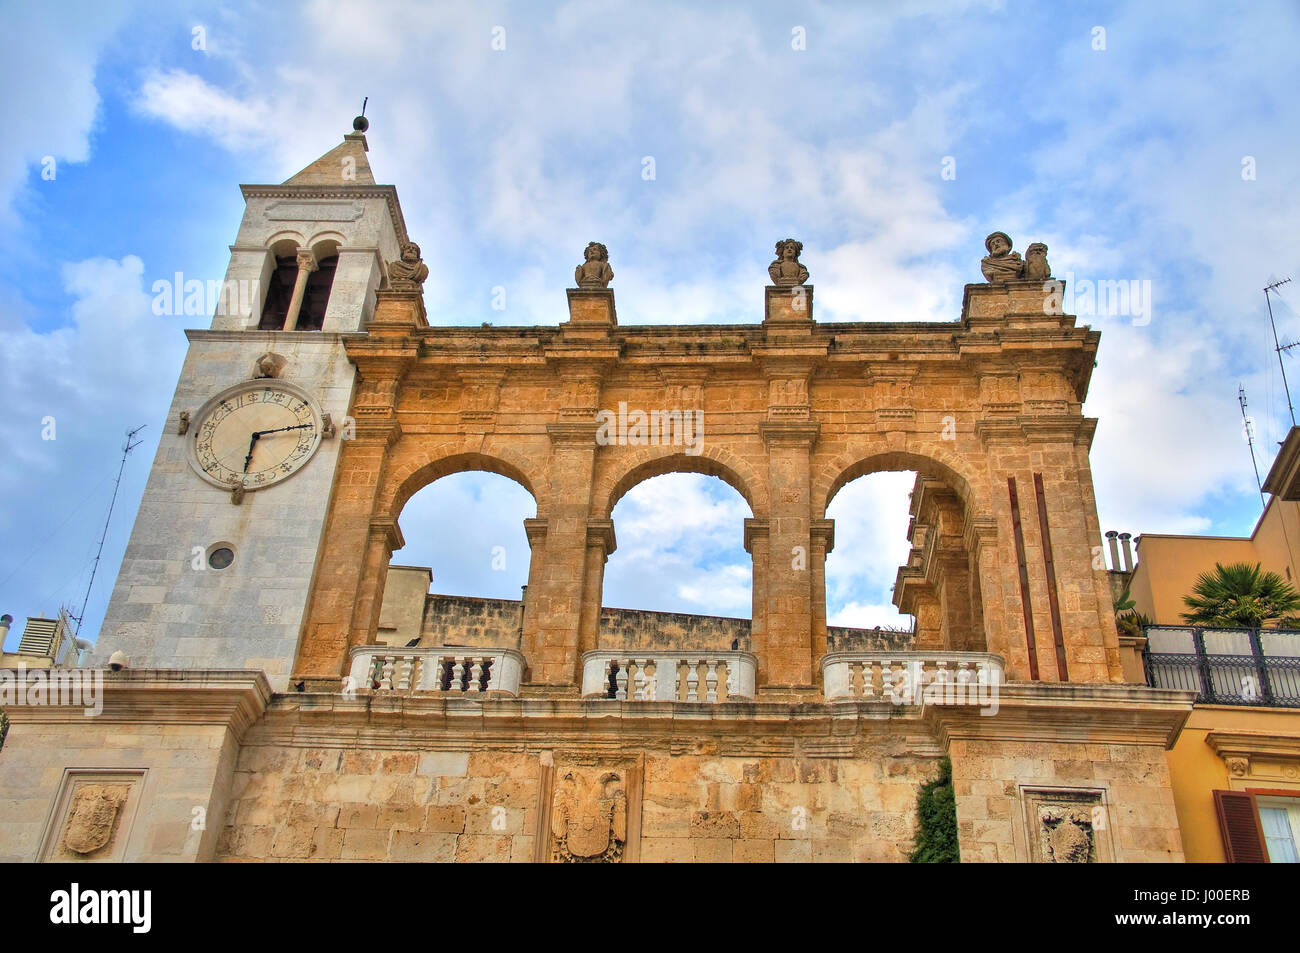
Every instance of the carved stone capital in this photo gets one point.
(386, 528)
(535, 529)
(601, 533)
(823, 533)
(573, 434)
(755, 530)
(789, 433)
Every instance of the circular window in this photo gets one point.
(221, 557)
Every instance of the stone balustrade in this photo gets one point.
(459, 671)
(658, 675)
(912, 677)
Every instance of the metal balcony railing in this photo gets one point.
(1226, 666)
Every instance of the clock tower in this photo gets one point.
(222, 555)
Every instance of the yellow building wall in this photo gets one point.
(1168, 566)
(1196, 771)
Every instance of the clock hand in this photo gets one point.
(263, 433)
(251, 443)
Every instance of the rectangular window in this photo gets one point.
(1280, 819)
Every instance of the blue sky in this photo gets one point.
(1126, 160)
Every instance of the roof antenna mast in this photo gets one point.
(1248, 428)
(131, 444)
(1278, 346)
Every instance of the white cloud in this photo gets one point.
(193, 105)
(48, 57)
(113, 368)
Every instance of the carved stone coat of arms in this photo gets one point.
(589, 817)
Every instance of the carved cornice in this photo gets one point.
(235, 698)
(1249, 745)
(755, 530)
(1049, 428)
(1074, 713)
(307, 192)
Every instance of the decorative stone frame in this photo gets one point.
(53, 848)
(1029, 828)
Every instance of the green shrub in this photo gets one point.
(936, 827)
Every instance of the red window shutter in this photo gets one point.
(1243, 838)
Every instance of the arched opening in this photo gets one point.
(901, 575)
(459, 578)
(680, 577)
(871, 543)
(280, 286)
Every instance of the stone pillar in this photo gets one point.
(600, 544)
(306, 265)
(244, 291)
(823, 541)
(347, 592)
(756, 544)
(788, 580)
(557, 590)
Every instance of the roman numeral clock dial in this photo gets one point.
(254, 435)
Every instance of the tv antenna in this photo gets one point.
(131, 444)
(1277, 346)
(1248, 428)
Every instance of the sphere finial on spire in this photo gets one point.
(361, 123)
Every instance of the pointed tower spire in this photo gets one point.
(345, 164)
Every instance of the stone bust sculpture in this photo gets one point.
(1036, 266)
(1001, 263)
(594, 272)
(787, 271)
(409, 272)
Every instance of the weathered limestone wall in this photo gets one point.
(496, 623)
(167, 741)
(292, 803)
(990, 777)
(333, 804)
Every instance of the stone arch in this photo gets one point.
(328, 239)
(408, 478)
(283, 240)
(651, 462)
(951, 468)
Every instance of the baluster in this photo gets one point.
(711, 682)
(640, 683)
(386, 675)
(889, 676)
(475, 674)
(403, 672)
(494, 674)
(435, 678)
(692, 681)
(620, 679)
(458, 674)
(963, 672)
(867, 670)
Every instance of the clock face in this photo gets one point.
(255, 435)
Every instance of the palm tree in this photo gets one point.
(1241, 596)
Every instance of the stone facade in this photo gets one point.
(266, 712)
